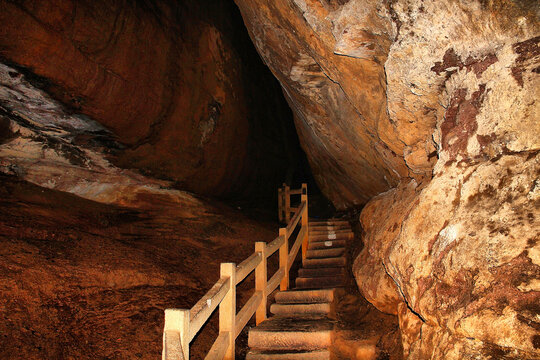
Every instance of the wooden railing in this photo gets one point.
(181, 325)
(285, 210)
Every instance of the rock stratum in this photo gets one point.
(431, 107)
(175, 83)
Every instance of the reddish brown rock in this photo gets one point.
(455, 109)
(432, 106)
(175, 82)
(329, 59)
(89, 280)
(382, 227)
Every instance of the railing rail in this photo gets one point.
(182, 325)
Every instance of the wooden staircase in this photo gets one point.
(302, 325)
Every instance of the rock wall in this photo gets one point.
(177, 83)
(431, 106)
(336, 89)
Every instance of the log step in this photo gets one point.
(300, 309)
(289, 355)
(319, 282)
(298, 333)
(329, 222)
(305, 296)
(324, 237)
(329, 227)
(329, 244)
(325, 253)
(327, 262)
(322, 272)
(329, 231)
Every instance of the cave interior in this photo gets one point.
(142, 143)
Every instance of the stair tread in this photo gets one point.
(296, 309)
(329, 221)
(322, 271)
(305, 296)
(320, 282)
(329, 244)
(288, 355)
(309, 324)
(325, 262)
(319, 238)
(325, 253)
(328, 230)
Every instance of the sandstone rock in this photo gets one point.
(382, 227)
(87, 280)
(174, 81)
(50, 147)
(472, 229)
(330, 65)
(440, 97)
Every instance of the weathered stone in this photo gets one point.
(330, 65)
(174, 81)
(440, 97)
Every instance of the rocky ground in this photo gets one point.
(81, 279)
(87, 280)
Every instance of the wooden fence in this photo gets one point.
(181, 325)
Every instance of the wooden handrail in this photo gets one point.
(182, 325)
(247, 312)
(297, 216)
(274, 245)
(218, 350)
(296, 246)
(275, 280)
(202, 310)
(247, 266)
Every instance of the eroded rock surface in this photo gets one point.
(178, 83)
(329, 59)
(461, 248)
(433, 106)
(45, 144)
(89, 280)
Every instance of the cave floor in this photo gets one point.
(81, 279)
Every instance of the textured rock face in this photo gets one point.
(440, 99)
(462, 247)
(174, 82)
(46, 145)
(329, 59)
(89, 280)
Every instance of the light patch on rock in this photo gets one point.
(532, 285)
(35, 106)
(43, 150)
(446, 237)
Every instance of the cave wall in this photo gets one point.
(177, 83)
(430, 110)
(337, 93)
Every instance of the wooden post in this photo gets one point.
(287, 204)
(280, 204)
(305, 222)
(176, 326)
(261, 278)
(284, 259)
(227, 308)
